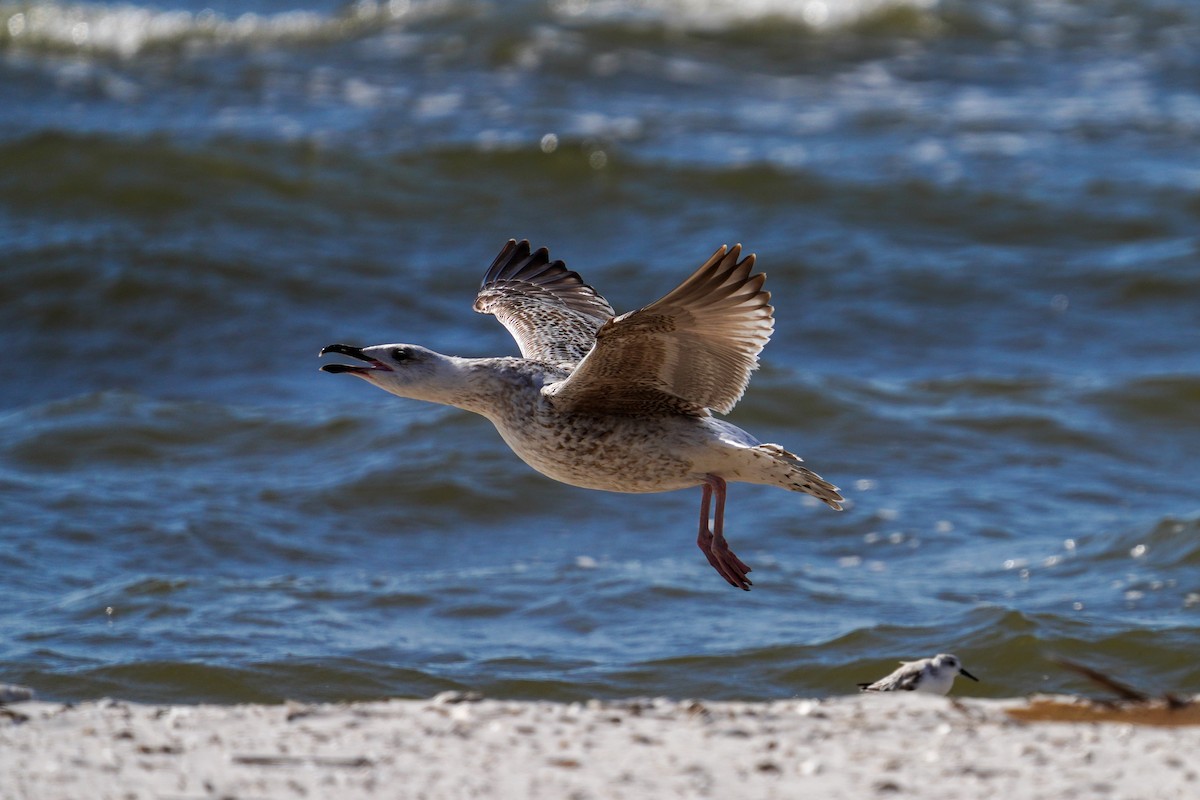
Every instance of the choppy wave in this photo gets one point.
(127, 30)
(157, 177)
(288, 532)
(1169, 401)
(1010, 651)
(714, 15)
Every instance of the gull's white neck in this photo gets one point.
(490, 387)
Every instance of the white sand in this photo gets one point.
(894, 745)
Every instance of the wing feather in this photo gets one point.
(690, 352)
(546, 307)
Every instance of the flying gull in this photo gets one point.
(619, 403)
(929, 675)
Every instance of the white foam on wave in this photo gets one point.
(126, 30)
(713, 14)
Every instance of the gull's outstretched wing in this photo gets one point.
(546, 307)
(690, 352)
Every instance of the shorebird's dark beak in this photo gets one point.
(345, 350)
(966, 674)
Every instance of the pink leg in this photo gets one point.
(712, 542)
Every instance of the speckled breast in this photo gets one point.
(616, 454)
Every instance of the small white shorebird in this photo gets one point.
(930, 675)
(622, 404)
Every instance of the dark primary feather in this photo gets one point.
(546, 307)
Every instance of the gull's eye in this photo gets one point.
(401, 353)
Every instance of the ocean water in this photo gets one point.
(981, 227)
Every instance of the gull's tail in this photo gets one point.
(777, 467)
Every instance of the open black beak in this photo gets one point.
(966, 674)
(353, 352)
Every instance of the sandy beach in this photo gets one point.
(456, 747)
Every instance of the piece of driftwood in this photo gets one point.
(1132, 706)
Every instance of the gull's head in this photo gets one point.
(407, 370)
(950, 663)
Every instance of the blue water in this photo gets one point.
(981, 227)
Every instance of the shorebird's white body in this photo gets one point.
(621, 404)
(927, 675)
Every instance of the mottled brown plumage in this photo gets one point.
(546, 307)
(621, 404)
(687, 353)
